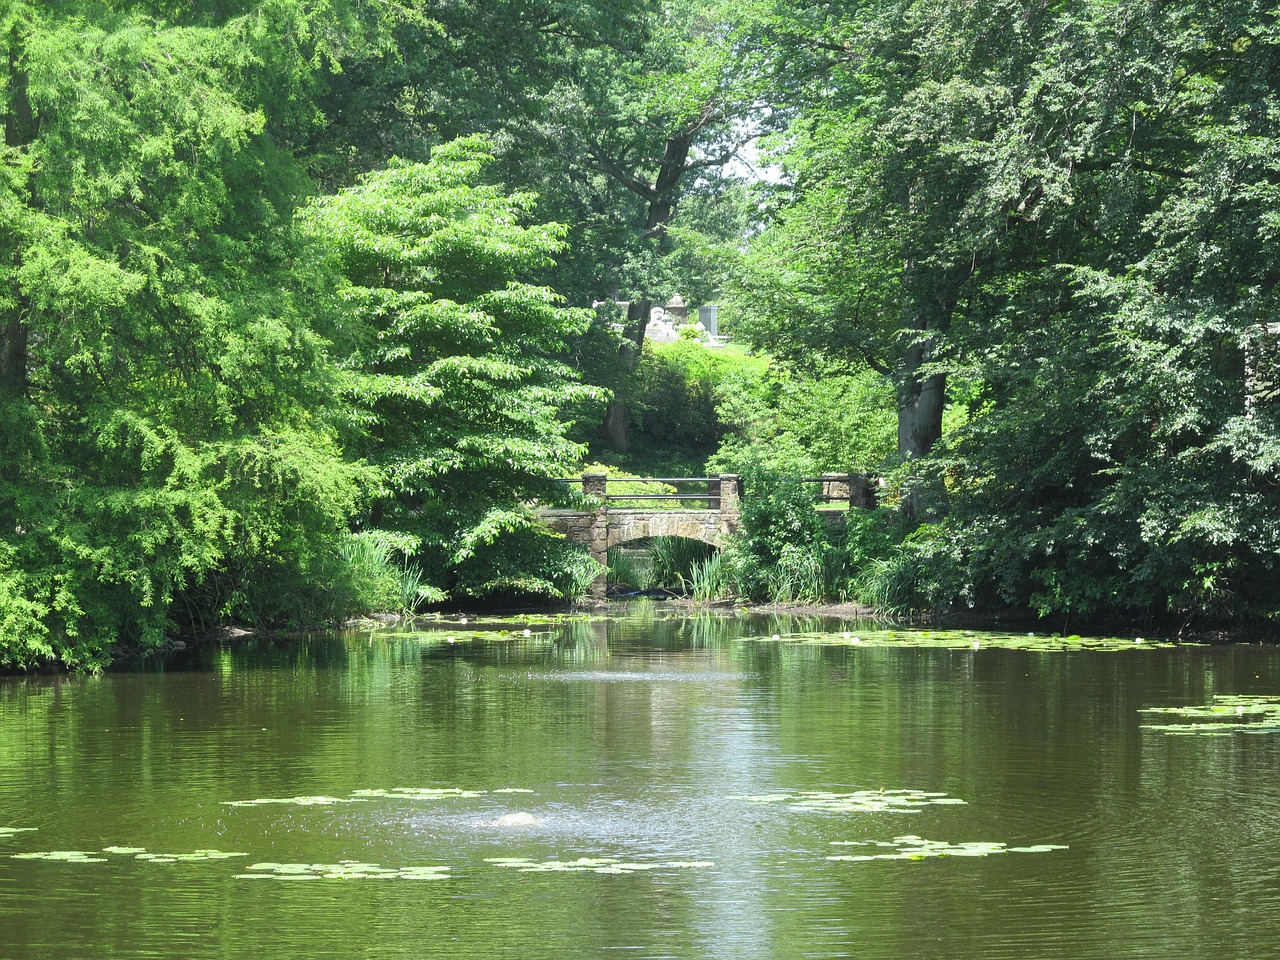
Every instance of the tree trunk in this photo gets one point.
(617, 425)
(931, 298)
(661, 197)
(617, 416)
(662, 203)
(13, 354)
(920, 404)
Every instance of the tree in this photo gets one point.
(170, 443)
(907, 180)
(455, 364)
(1067, 206)
(1116, 416)
(628, 132)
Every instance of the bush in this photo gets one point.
(925, 574)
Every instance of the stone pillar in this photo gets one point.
(709, 317)
(730, 491)
(597, 538)
(862, 491)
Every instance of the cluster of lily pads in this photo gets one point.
(342, 870)
(860, 801)
(364, 796)
(908, 847)
(972, 639)
(593, 865)
(1221, 718)
(357, 869)
(911, 847)
(138, 853)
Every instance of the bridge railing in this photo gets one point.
(682, 497)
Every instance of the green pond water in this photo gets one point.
(648, 785)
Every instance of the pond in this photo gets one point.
(648, 785)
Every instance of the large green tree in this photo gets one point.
(1119, 465)
(170, 443)
(1071, 207)
(457, 365)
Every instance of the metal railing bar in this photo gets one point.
(662, 496)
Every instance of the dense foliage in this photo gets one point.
(284, 288)
(1069, 211)
(170, 443)
(191, 392)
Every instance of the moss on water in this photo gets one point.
(976, 640)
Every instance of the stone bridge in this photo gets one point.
(605, 526)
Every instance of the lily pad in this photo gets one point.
(65, 856)
(194, 857)
(917, 848)
(342, 870)
(861, 801)
(419, 793)
(1227, 714)
(606, 865)
(10, 831)
(295, 801)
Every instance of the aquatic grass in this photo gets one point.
(415, 592)
(911, 847)
(860, 801)
(625, 569)
(342, 870)
(797, 576)
(672, 560)
(710, 579)
(972, 639)
(605, 865)
(1227, 714)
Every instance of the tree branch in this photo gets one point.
(640, 187)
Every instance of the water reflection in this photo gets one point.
(642, 739)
